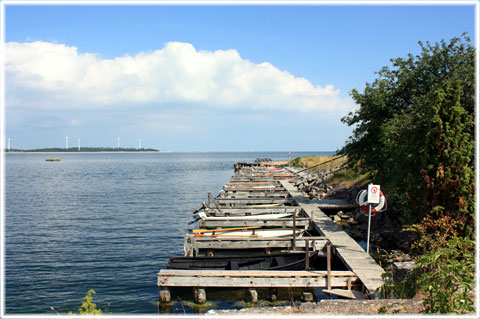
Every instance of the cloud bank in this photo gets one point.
(50, 75)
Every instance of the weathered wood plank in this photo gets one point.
(253, 189)
(284, 222)
(347, 249)
(233, 278)
(249, 195)
(251, 201)
(252, 273)
(250, 243)
(252, 210)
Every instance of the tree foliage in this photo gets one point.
(414, 131)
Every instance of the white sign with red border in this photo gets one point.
(373, 194)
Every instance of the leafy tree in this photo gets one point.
(414, 133)
(392, 137)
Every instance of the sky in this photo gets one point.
(203, 77)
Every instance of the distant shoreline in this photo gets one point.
(85, 150)
(81, 152)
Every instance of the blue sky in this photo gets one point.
(264, 77)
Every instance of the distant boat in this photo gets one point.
(53, 159)
(285, 261)
(204, 216)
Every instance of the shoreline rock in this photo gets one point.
(335, 307)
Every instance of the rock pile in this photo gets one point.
(386, 228)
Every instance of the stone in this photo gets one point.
(273, 294)
(402, 270)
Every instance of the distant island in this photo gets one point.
(83, 149)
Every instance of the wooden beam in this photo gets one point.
(284, 222)
(252, 278)
(250, 201)
(252, 210)
(192, 243)
(347, 249)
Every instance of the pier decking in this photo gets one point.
(258, 189)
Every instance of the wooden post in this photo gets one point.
(164, 295)
(199, 295)
(307, 296)
(294, 244)
(329, 266)
(252, 295)
(307, 254)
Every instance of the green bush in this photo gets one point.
(88, 307)
(447, 277)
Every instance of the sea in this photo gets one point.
(107, 222)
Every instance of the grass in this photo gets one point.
(349, 177)
(310, 160)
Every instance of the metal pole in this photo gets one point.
(369, 221)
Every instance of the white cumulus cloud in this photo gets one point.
(50, 75)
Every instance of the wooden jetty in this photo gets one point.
(259, 189)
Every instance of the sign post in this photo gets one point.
(373, 197)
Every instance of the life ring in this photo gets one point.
(362, 202)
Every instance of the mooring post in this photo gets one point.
(307, 296)
(294, 244)
(199, 295)
(252, 295)
(329, 266)
(307, 254)
(164, 295)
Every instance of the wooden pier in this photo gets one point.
(256, 190)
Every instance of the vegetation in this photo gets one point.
(309, 161)
(349, 177)
(87, 307)
(448, 277)
(414, 134)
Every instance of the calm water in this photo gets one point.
(106, 222)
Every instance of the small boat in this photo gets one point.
(53, 159)
(246, 232)
(204, 216)
(284, 261)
